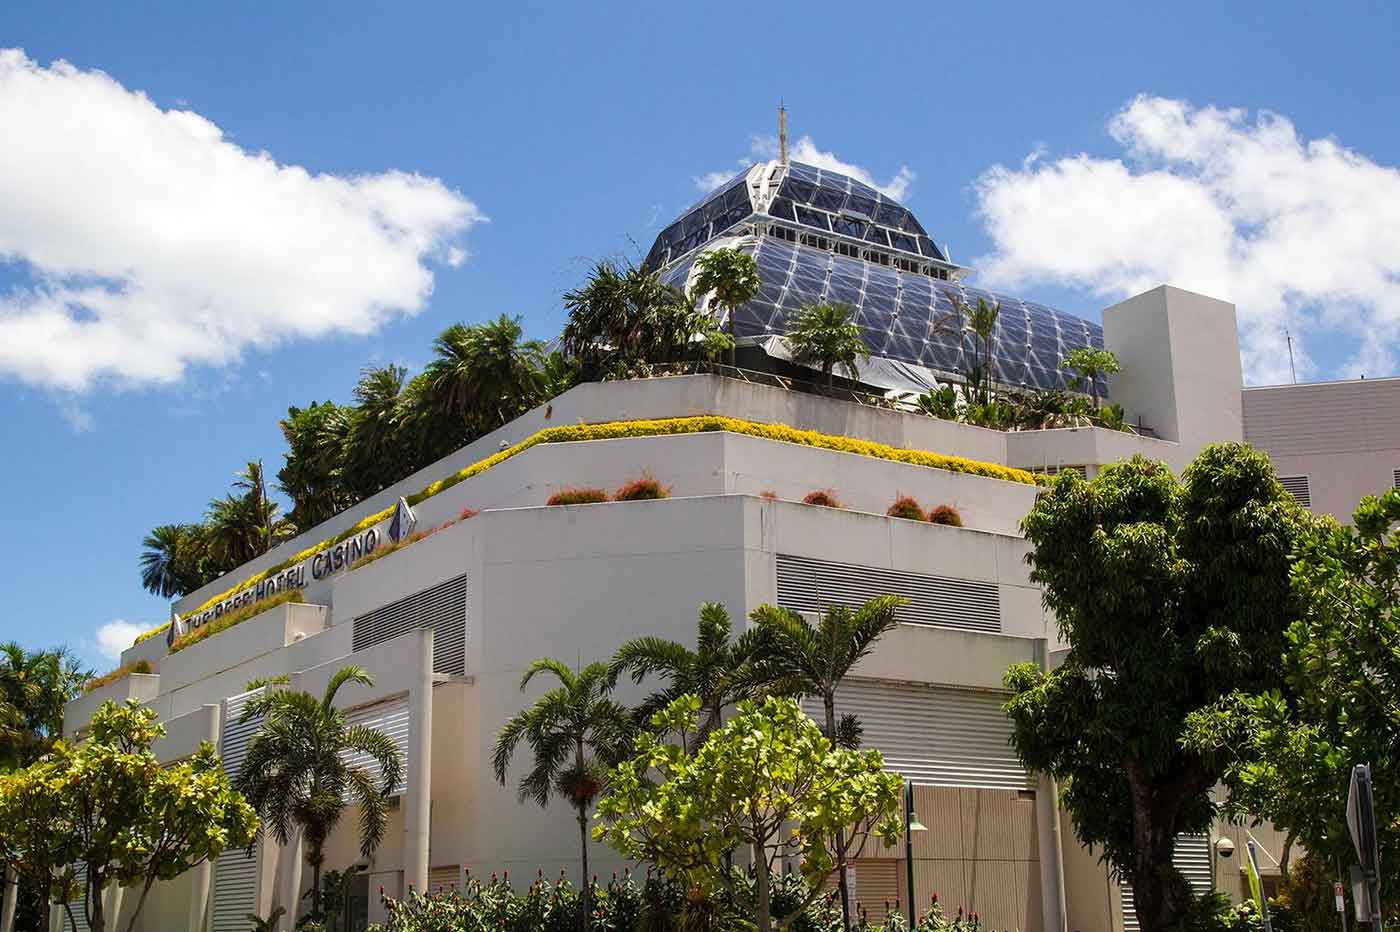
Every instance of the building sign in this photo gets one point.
(319, 565)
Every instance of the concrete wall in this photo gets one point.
(1181, 365)
(1344, 436)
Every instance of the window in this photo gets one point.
(1299, 488)
(879, 258)
(908, 265)
(846, 249)
(816, 242)
(848, 226)
(784, 233)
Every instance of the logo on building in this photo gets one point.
(403, 523)
(176, 630)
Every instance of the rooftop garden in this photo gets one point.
(120, 673)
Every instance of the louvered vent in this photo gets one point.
(79, 906)
(1056, 470)
(444, 879)
(1395, 478)
(1191, 856)
(442, 607)
(391, 718)
(931, 735)
(235, 872)
(1299, 488)
(807, 585)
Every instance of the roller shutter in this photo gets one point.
(390, 717)
(807, 585)
(1191, 856)
(442, 607)
(932, 735)
(235, 871)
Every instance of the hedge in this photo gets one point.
(239, 615)
(614, 430)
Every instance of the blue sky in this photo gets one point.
(537, 138)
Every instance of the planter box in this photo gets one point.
(142, 687)
(152, 650)
(263, 633)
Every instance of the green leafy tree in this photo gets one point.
(824, 335)
(296, 774)
(109, 806)
(793, 657)
(1171, 595)
(731, 277)
(1340, 704)
(768, 779)
(34, 688)
(311, 469)
(712, 671)
(575, 732)
(243, 524)
(1090, 363)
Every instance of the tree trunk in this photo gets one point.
(583, 851)
(316, 858)
(829, 705)
(1161, 895)
(765, 909)
(96, 916)
(1286, 854)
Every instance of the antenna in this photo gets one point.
(782, 133)
(1289, 338)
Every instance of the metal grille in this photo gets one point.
(931, 735)
(1191, 856)
(235, 870)
(1299, 488)
(79, 905)
(1056, 470)
(1395, 478)
(442, 607)
(391, 718)
(808, 585)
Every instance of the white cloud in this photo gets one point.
(805, 150)
(115, 637)
(1303, 234)
(153, 243)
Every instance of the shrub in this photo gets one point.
(906, 507)
(643, 489)
(237, 616)
(577, 497)
(97, 682)
(946, 514)
(824, 497)
(467, 513)
(770, 494)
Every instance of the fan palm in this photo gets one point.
(311, 470)
(374, 443)
(175, 560)
(824, 335)
(243, 524)
(795, 658)
(296, 772)
(624, 316)
(575, 732)
(485, 374)
(711, 671)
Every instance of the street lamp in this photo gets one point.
(911, 825)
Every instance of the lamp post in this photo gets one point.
(911, 825)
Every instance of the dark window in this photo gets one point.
(904, 241)
(829, 198)
(848, 226)
(812, 218)
(861, 205)
(781, 207)
(876, 235)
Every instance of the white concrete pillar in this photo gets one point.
(289, 890)
(112, 904)
(7, 910)
(417, 821)
(1052, 869)
(199, 895)
(57, 915)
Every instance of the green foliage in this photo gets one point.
(825, 335)
(296, 772)
(981, 324)
(1111, 417)
(311, 473)
(945, 514)
(578, 496)
(97, 682)
(110, 805)
(1173, 597)
(768, 779)
(907, 507)
(176, 560)
(34, 688)
(1338, 703)
(730, 275)
(229, 619)
(1090, 363)
(713, 670)
(941, 402)
(268, 924)
(244, 523)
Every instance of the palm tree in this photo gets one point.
(712, 671)
(795, 658)
(575, 732)
(296, 774)
(485, 374)
(34, 687)
(374, 447)
(732, 276)
(825, 335)
(175, 560)
(982, 321)
(311, 469)
(625, 316)
(1090, 363)
(243, 524)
